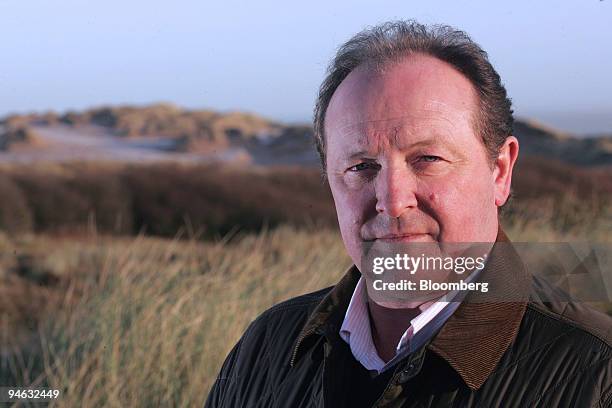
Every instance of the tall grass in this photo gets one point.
(148, 321)
(155, 324)
(213, 200)
(126, 199)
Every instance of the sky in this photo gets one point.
(269, 57)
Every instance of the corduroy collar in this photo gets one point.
(474, 338)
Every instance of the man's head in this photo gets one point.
(413, 127)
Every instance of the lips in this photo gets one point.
(410, 237)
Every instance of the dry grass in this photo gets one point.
(148, 321)
(144, 321)
(156, 317)
(159, 199)
(214, 200)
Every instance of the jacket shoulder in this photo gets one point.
(276, 328)
(263, 352)
(298, 304)
(568, 346)
(582, 320)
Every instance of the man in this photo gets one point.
(414, 130)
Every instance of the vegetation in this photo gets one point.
(209, 200)
(154, 318)
(114, 317)
(213, 200)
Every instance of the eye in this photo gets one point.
(362, 166)
(429, 158)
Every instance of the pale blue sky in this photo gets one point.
(269, 57)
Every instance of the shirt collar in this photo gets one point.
(356, 330)
(356, 327)
(472, 340)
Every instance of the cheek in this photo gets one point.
(351, 203)
(351, 209)
(460, 207)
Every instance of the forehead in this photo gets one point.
(419, 95)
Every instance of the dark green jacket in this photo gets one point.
(488, 354)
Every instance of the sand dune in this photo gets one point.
(166, 133)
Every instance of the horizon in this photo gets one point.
(562, 123)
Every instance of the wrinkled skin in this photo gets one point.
(404, 162)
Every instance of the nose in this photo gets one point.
(395, 190)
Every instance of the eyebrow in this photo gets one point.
(431, 141)
(359, 153)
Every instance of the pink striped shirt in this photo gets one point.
(356, 331)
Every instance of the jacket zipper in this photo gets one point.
(299, 341)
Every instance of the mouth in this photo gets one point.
(417, 237)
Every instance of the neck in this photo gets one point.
(388, 325)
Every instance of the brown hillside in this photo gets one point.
(267, 141)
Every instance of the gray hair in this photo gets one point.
(393, 41)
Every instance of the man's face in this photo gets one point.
(404, 162)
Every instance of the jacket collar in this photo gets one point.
(474, 338)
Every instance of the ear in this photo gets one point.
(502, 173)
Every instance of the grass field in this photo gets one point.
(114, 319)
(152, 324)
(147, 321)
